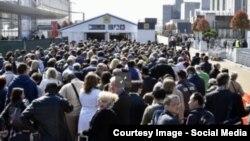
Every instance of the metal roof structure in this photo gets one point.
(8, 7)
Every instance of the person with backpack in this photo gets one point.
(198, 115)
(16, 129)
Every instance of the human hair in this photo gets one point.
(117, 81)
(51, 73)
(159, 94)
(114, 63)
(131, 63)
(2, 82)
(37, 77)
(234, 76)
(182, 74)
(197, 96)
(222, 79)
(22, 68)
(51, 63)
(16, 94)
(191, 69)
(170, 99)
(108, 97)
(52, 88)
(34, 65)
(105, 77)
(168, 85)
(135, 86)
(90, 81)
(8, 67)
(148, 98)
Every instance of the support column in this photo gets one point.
(107, 37)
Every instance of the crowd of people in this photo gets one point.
(70, 93)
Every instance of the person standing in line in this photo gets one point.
(46, 115)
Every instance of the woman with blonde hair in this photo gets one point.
(103, 118)
(114, 64)
(89, 99)
(51, 77)
(34, 67)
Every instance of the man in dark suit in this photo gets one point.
(148, 81)
(137, 104)
(122, 106)
(223, 103)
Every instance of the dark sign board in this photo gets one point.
(96, 27)
(151, 20)
(146, 26)
(116, 26)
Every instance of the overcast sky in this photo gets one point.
(132, 10)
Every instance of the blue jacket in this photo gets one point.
(25, 82)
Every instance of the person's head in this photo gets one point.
(197, 54)
(8, 67)
(148, 98)
(196, 100)
(106, 99)
(17, 94)
(191, 70)
(131, 64)
(212, 82)
(116, 84)
(2, 82)
(77, 66)
(22, 69)
(51, 62)
(217, 66)
(222, 79)
(34, 65)
(37, 77)
(168, 85)
(105, 77)
(52, 88)
(51, 73)
(225, 70)
(159, 94)
(114, 63)
(206, 58)
(136, 86)
(234, 76)
(70, 77)
(172, 104)
(90, 81)
(117, 72)
(182, 75)
(101, 67)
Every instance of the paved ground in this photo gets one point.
(243, 72)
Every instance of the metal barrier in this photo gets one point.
(27, 45)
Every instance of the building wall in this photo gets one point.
(77, 32)
(205, 4)
(58, 6)
(187, 10)
(145, 35)
(167, 14)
